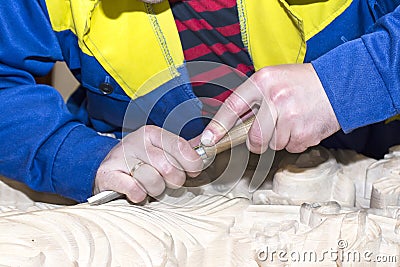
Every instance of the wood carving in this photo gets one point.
(315, 175)
(196, 227)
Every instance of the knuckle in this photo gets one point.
(262, 75)
(294, 149)
(235, 103)
(256, 138)
(279, 146)
(314, 141)
(289, 149)
(279, 94)
(133, 188)
(151, 183)
(263, 149)
(137, 196)
(298, 142)
(157, 186)
(154, 185)
(303, 137)
(135, 192)
(176, 180)
(217, 127)
(192, 163)
(146, 170)
(166, 169)
(273, 146)
(276, 145)
(256, 149)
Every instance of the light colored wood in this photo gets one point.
(199, 228)
(314, 175)
(198, 231)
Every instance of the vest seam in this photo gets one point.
(243, 23)
(161, 40)
(115, 72)
(303, 40)
(300, 27)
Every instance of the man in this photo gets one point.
(115, 47)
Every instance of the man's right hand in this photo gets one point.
(161, 159)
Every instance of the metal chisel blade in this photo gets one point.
(103, 197)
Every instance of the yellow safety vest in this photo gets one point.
(133, 41)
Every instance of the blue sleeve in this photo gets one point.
(41, 143)
(362, 77)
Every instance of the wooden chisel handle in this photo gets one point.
(236, 136)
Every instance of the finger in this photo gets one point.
(177, 147)
(281, 135)
(121, 182)
(301, 137)
(296, 142)
(166, 165)
(262, 129)
(135, 192)
(150, 179)
(193, 143)
(237, 104)
(295, 148)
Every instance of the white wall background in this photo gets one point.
(63, 80)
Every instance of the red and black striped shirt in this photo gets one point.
(210, 31)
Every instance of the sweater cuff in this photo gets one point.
(354, 86)
(77, 160)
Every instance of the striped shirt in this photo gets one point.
(210, 31)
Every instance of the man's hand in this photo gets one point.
(167, 159)
(291, 107)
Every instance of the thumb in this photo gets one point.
(213, 133)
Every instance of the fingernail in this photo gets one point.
(207, 138)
